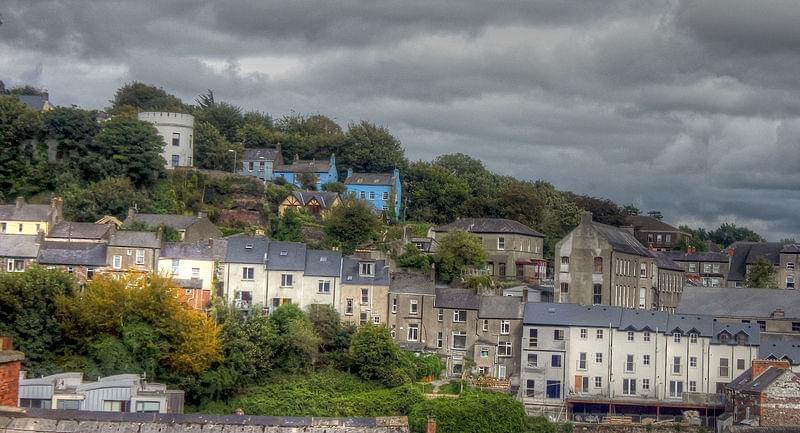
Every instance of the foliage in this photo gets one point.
(351, 224)
(761, 274)
(28, 314)
(419, 366)
(437, 195)
(725, 235)
(17, 124)
(334, 187)
(695, 241)
(478, 281)
(374, 355)
(540, 424)
(134, 97)
(214, 150)
(226, 118)
(603, 210)
(370, 148)
(130, 148)
(111, 196)
(289, 226)
(458, 250)
(308, 181)
(473, 412)
(296, 345)
(412, 257)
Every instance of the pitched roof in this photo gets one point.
(71, 230)
(501, 307)
(370, 179)
(189, 283)
(25, 212)
(72, 253)
(271, 154)
(663, 261)
(323, 263)
(748, 384)
(649, 224)
(246, 249)
(324, 198)
(489, 225)
(739, 302)
(130, 238)
(746, 253)
(286, 256)
(33, 102)
(185, 250)
(690, 323)
(641, 320)
(26, 246)
(461, 299)
(620, 239)
(753, 332)
(178, 222)
(351, 274)
(791, 249)
(305, 166)
(415, 283)
(549, 314)
(780, 346)
(698, 256)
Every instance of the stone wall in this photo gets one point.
(50, 421)
(780, 405)
(636, 428)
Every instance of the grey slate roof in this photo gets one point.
(791, 249)
(699, 256)
(246, 249)
(178, 222)
(72, 253)
(415, 283)
(649, 224)
(189, 283)
(500, 307)
(753, 332)
(350, 272)
(305, 166)
(23, 246)
(746, 383)
(549, 314)
(663, 261)
(324, 198)
(370, 179)
(460, 299)
(130, 238)
(71, 230)
(33, 102)
(739, 302)
(690, 323)
(780, 346)
(286, 256)
(489, 225)
(184, 250)
(24, 212)
(323, 263)
(746, 253)
(621, 240)
(270, 154)
(641, 320)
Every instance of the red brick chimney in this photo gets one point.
(691, 250)
(729, 250)
(10, 364)
(759, 365)
(431, 427)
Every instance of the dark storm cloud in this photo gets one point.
(688, 107)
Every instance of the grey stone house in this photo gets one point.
(703, 268)
(668, 281)
(78, 248)
(597, 264)
(191, 228)
(18, 252)
(514, 249)
(656, 234)
(499, 340)
(411, 318)
(260, 162)
(455, 330)
(134, 250)
(784, 258)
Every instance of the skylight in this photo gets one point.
(248, 247)
(323, 259)
(284, 253)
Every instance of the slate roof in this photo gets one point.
(489, 225)
(271, 154)
(286, 256)
(690, 323)
(459, 299)
(663, 261)
(323, 263)
(350, 272)
(324, 198)
(130, 238)
(189, 283)
(25, 246)
(641, 320)
(185, 250)
(178, 222)
(238, 251)
(791, 249)
(775, 346)
(746, 383)
(699, 256)
(415, 283)
(370, 179)
(621, 240)
(305, 166)
(71, 230)
(746, 253)
(72, 253)
(33, 102)
(649, 224)
(739, 302)
(753, 332)
(25, 212)
(550, 314)
(501, 307)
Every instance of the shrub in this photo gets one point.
(474, 412)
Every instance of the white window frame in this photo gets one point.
(505, 327)
(116, 262)
(139, 257)
(413, 306)
(324, 286)
(501, 243)
(364, 294)
(287, 280)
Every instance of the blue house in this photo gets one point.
(380, 189)
(325, 171)
(260, 162)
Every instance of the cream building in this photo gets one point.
(365, 290)
(21, 218)
(177, 132)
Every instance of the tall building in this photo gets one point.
(177, 132)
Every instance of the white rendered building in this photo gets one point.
(177, 132)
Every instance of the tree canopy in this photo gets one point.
(458, 250)
(761, 274)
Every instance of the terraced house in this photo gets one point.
(22, 218)
(365, 290)
(322, 171)
(261, 162)
(783, 257)
(703, 268)
(382, 190)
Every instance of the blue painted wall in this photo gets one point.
(323, 177)
(262, 172)
(375, 193)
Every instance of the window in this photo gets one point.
(367, 269)
(740, 364)
(762, 324)
(439, 339)
(413, 332)
(533, 360)
(250, 166)
(646, 359)
(643, 270)
(324, 286)
(533, 338)
(645, 384)
(642, 297)
(68, 404)
(372, 195)
(676, 337)
(598, 382)
(564, 264)
(649, 237)
(505, 327)
(555, 361)
(693, 338)
(504, 349)
(693, 267)
(70, 269)
(148, 406)
(459, 340)
(362, 317)
(629, 386)
(501, 243)
(89, 272)
(582, 361)
(629, 365)
(364, 296)
(597, 294)
(385, 195)
(485, 326)
(376, 320)
(715, 268)
(114, 406)
(248, 273)
(35, 403)
(176, 160)
(139, 257)
(598, 265)
(501, 269)
(692, 386)
(558, 334)
(598, 358)
(630, 335)
(584, 333)
(693, 361)
(676, 365)
(394, 305)
(529, 388)
(286, 280)
(176, 139)
(668, 238)
(675, 388)
(790, 282)
(789, 265)
(646, 336)
(460, 316)
(440, 315)
(582, 383)
(348, 309)
(659, 239)
(599, 334)
(706, 268)
(413, 307)
(38, 227)
(261, 166)
(19, 229)
(3, 227)
(195, 272)
(15, 265)
(553, 389)
(117, 262)
(724, 368)
(795, 326)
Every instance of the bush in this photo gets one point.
(540, 424)
(421, 366)
(474, 412)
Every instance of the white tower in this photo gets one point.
(177, 132)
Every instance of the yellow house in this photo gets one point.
(23, 218)
(316, 203)
(364, 291)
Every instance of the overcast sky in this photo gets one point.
(688, 107)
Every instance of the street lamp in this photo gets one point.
(234, 159)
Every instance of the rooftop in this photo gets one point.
(130, 238)
(739, 302)
(351, 273)
(500, 307)
(323, 263)
(271, 154)
(23, 246)
(246, 249)
(71, 230)
(178, 222)
(370, 179)
(697, 256)
(620, 239)
(649, 224)
(663, 261)
(415, 283)
(184, 250)
(746, 253)
(459, 299)
(324, 198)
(489, 225)
(286, 256)
(22, 211)
(72, 253)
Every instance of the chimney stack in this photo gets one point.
(760, 365)
(586, 218)
(431, 426)
(10, 365)
(729, 250)
(525, 294)
(20, 202)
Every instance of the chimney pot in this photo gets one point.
(20, 202)
(586, 218)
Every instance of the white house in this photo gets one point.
(177, 132)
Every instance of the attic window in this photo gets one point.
(323, 259)
(248, 247)
(284, 253)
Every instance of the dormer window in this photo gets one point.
(724, 337)
(366, 269)
(248, 247)
(741, 339)
(323, 259)
(284, 253)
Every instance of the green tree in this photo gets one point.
(412, 257)
(73, 128)
(603, 210)
(326, 322)
(374, 355)
(761, 274)
(28, 306)
(17, 125)
(289, 226)
(214, 150)
(435, 194)
(131, 148)
(227, 118)
(254, 135)
(351, 224)
(371, 148)
(473, 412)
(728, 233)
(247, 343)
(458, 250)
(630, 209)
(296, 345)
(112, 196)
(308, 181)
(134, 97)
(334, 187)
